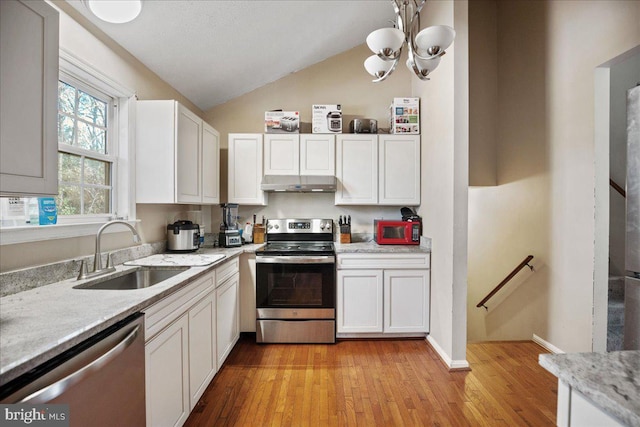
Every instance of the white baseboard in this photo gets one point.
(552, 348)
(451, 364)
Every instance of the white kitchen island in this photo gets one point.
(596, 389)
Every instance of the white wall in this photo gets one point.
(544, 203)
(341, 79)
(445, 156)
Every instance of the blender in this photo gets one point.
(229, 236)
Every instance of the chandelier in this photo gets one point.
(424, 48)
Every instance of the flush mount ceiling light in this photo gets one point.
(424, 48)
(114, 11)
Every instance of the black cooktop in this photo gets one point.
(296, 248)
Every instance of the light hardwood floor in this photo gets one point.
(378, 383)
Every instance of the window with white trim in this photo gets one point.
(85, 150)
(94, 143)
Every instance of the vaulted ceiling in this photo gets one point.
(213, 50)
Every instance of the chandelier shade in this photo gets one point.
(378, 67)
(424, 48)
(386, 41)
(433, 40)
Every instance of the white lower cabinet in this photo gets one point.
(166, 376)
(406, 301)
(228, 316)
(202, 347)
(359, 301)
(392, 298)
(188, 335)
(576, 410)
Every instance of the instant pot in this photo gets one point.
(183, 236)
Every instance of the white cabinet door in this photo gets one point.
(188, 155)
(281, 154)
(406, 301)
(317, 154)
(202, 347)
(357, 170)
(245, 169)
(227, 317)
(359, 301)
(28, 105)
(210, 164)
(167, 375)
(399, 170)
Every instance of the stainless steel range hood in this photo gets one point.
(298, 183)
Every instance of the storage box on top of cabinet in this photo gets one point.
(404, 116)
(177, 155)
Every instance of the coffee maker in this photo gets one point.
(229, 235)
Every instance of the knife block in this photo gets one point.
(345, 234)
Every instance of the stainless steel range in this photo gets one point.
(296, 283)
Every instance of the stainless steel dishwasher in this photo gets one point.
(101, 379)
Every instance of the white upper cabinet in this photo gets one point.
(211, 164)
(357, 169)
(245, 169)
(281, 154)
(317, 154)
(188, 156)
(378, 170)
(28, 105)
(177, 155)
(399, 161)
(306, 154)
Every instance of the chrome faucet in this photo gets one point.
(97, 258)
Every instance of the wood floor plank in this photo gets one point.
(378, 383)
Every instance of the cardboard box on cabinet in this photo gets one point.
(326, 118)
(282, 122)
(404, 116)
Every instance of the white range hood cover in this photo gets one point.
(298, 183)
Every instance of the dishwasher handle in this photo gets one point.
(54, 390)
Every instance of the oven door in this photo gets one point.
(295, 282)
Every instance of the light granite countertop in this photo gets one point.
(40, 323)
(373, 247)
(610, 380)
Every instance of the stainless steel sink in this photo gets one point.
(136, 279)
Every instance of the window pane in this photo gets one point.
(70, 168)
(96, 172)
(96, 200)
(68, 200)
(65, 130)
(91, 109)
(92, 138)
(66, 98)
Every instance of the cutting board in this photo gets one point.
(176, 260)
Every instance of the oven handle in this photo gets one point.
(323, 259)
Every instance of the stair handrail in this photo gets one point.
(618, 188)
(495, 290)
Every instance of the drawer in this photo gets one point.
(378, 261)
(226, 270)
(165, 311)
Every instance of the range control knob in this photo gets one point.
(269, 227)
(276, 226)
(321, 226)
